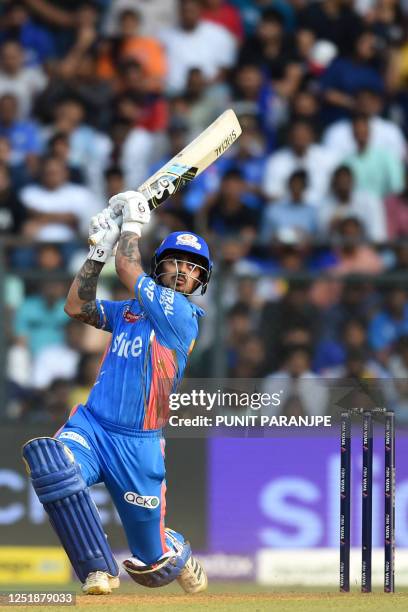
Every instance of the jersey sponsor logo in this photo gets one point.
(150, 502)
(76, 437)
(123, 347)
(149, 290)
(167, 300)
(188, 240)
(131, 317)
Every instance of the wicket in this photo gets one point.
(367, 494)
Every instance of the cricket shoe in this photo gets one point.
(193, 578)
(100, 583)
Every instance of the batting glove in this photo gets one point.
(134, 208)
(104, 232)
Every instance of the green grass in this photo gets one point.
(224, 597)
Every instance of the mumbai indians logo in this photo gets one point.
(227, 142)
(188, 240)
(150, 502)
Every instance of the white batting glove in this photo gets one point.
(134, 208)
(104, 233)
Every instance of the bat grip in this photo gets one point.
(97, 236)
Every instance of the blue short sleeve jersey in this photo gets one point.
(152, 336)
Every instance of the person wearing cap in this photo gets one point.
(116, 436)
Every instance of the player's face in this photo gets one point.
(180, 272)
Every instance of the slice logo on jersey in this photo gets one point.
(188, 240)
(76, 437)
(131, 317)
(123, 347)
(144, 501)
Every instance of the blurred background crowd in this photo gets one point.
(307, 215)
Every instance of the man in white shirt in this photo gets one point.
(384, 134)
(24, 83)
(301, 154)
(196, 44)
(59, 211)
(344, 201)
(155, 15)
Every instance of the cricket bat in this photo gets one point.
(190, 162)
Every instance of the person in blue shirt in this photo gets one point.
(116, 437)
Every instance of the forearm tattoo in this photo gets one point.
(89, 314)
(87, 279)
(128, 248)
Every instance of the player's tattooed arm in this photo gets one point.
(80, 303)
(128, 259)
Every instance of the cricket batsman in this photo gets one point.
(116, 437)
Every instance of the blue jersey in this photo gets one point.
(152, 337)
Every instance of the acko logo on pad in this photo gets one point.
(144, 501)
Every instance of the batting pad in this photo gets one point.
(60, 487)
(165, 570)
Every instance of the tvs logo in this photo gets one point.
(131, 317)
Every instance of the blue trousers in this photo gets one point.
(131, 465)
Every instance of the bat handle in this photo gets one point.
(95, 238)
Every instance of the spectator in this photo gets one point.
(300, 390)
(24, 83)
(249, 158)
(58, 146)
(354, 254)
(89, 149)
(58, 210)
(12, 213)
(224, 14)
(331, 353)
(389, 324)
(155, 15)
(377, 171)
(396, 206)
(344, 201)
(293, 212)
(36, 41)
(23, 135)
(20, 174)
(250, 359)
(129, 141)
(144, 50)
(346, 76)
(195, 43)
(278, 317)
(87, 373)
(254, 95)
(384, 133)
(273, 51)
(41, 319)
(56, 405)
(202, 103)
(332, 20)
(301, 154)
(226, 213)
(114, 181)
(59, 360)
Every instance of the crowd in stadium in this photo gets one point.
(95, 96)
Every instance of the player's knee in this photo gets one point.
(163, 571)
(52, 468)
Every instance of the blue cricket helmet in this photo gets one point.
(185, 242)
